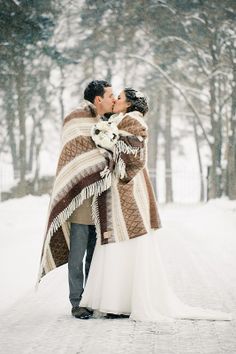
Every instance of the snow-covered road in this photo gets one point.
(198, 245)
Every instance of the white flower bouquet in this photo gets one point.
(105, 134)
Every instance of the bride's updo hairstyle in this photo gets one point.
(137, 99)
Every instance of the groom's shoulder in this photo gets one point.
(85, 110)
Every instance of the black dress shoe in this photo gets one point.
(115, 315)
(81, 312)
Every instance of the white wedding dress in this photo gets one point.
(129, 278)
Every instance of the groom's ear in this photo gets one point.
(98, 99)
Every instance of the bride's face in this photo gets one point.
(121, 104)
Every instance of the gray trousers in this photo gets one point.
(82, 239)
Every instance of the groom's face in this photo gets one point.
(107, 101)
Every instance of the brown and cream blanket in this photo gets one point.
(123, 204)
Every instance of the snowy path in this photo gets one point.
(198, 244)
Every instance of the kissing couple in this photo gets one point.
(103, 209)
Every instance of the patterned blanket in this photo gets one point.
(123, 204)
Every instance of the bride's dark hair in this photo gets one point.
(137, 99)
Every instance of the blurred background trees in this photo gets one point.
(181, 53)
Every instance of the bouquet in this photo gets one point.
(105, 134)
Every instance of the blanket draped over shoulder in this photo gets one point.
(123, 205)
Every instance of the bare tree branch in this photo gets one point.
(173, 84)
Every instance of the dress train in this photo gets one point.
(129, 278)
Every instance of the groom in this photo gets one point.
(100, 98)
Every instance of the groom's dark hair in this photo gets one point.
(95, 88)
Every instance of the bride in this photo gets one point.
(127, 278)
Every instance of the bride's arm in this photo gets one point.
(130, 150)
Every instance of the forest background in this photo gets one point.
(181, 54)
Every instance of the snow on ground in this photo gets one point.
(198, 245)
(21, 235)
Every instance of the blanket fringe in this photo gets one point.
(95, 217)
(94, 190)
(120, 168)
(121, 146)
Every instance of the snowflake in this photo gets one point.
(139, 94)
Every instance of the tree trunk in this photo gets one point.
(216, 124)
(32, 147)
(22, 128)
(202, 195)
(232, 142)
(61, 92)
(168, 145)
(38, 145)
(10, 120)
(196, 138)
(154, 123)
